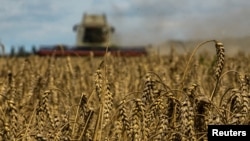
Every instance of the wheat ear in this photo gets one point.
(244, 80)
(219, 67)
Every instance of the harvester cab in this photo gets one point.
(93, 31)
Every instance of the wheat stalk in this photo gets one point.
(190, 59)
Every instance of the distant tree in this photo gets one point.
(33, 49)
(2, 48)
(12, 51)
(21, 51)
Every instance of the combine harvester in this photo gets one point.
(93, 36)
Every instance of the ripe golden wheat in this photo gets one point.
(122, 99)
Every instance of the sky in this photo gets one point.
(137, 22)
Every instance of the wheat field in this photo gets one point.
(150, 98)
